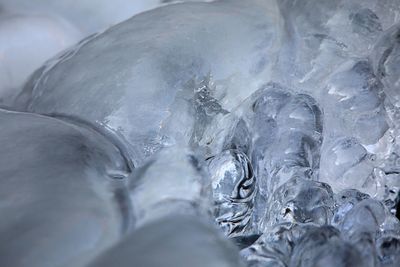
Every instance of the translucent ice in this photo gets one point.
(26, 42)
(174, 241)
(275, 246)
(353, 100)
(137, 68)
(300, 201)
(62, 193)
(234, 189)
(386, 59)
(173, 182)
(291, 107)
(324, 247)
(287, 130)
(346, 164)
(302, 245)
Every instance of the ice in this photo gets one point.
(184, 47)
(345, 201)
(302, 245)
(63, 199)
(173, 182)
(388, 248)
(272, 123)
(300, 201)
(275, 246)
(234, 188)
(84, 14)
(26, 42)
(386, 60)
(174, 241)
(33, 32)
(287, 136)
(324, 247)
(355, 89)
(346, 164)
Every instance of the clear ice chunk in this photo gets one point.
(353, 99)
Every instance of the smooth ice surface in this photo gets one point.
(88, 15)
(26, 42)
(177, 241)
(173, 182)
(62, 199)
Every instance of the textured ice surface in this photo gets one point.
(280, 118)
(189, 56)
(300, 201)
(234, 188)
(62, 197)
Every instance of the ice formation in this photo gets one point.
(62, 196)
(194, 127)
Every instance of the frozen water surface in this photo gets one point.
(171, 137)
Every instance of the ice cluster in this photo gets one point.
(218, 133)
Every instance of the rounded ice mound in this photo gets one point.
(234, 188)
(137, 68)
(62, 194)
